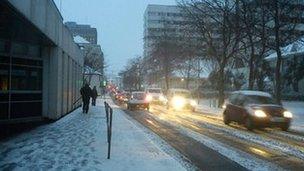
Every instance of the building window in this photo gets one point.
(20, 80)
(25, 109)
(34, 51)
(4, 46)
(26, 78)
(19, 49)
(4, 86)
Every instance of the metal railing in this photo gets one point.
(109, 114)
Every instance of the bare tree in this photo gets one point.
(93, 57)
(268, 25)
(285, 18)
(165, 53)
(215, 21)
(132, 75)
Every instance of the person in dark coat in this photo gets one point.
(94, 96)
(86, 93)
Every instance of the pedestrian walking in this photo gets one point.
(86, 93)
(94, 96)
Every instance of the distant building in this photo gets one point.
(169, 23)
(159, 19)
(85, 31)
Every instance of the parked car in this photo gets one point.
(180, 99)
(256, 109)
(138, 100)
(155, 95)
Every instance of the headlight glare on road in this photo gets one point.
(178, 102)
(193, 103)
(162, 98)
(260, 114)
(287, 114)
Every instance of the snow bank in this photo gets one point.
(297, 108)
(206, 106)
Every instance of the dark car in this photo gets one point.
(138, 100)
(256, 109)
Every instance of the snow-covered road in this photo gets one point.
(268, 149)
(78, 142)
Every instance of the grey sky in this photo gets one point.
(119, 24)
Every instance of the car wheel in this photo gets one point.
(249, 124)
(284, 127)
(226, 119)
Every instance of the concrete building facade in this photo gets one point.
(83, 30)
(159, 19)
(40, 65)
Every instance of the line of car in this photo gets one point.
(253, 109)
(177, 99)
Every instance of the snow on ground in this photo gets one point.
(208, 106)
(244, 159)
(264, 141)
(78, 142)
(297, 108)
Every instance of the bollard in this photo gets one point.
(110, 133)
(109, 116)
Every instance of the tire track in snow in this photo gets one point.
(246, 160)
(258, 139)
(279, 139)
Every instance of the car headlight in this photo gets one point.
(287, 114)
(178, 102)
(224, 106)
(149, 98)
(260, 114)
(193, 103)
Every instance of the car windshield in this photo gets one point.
(139, 96)
(254, 99)
(154, 91)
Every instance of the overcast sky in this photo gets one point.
(119, 24)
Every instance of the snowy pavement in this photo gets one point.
(78, 142)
